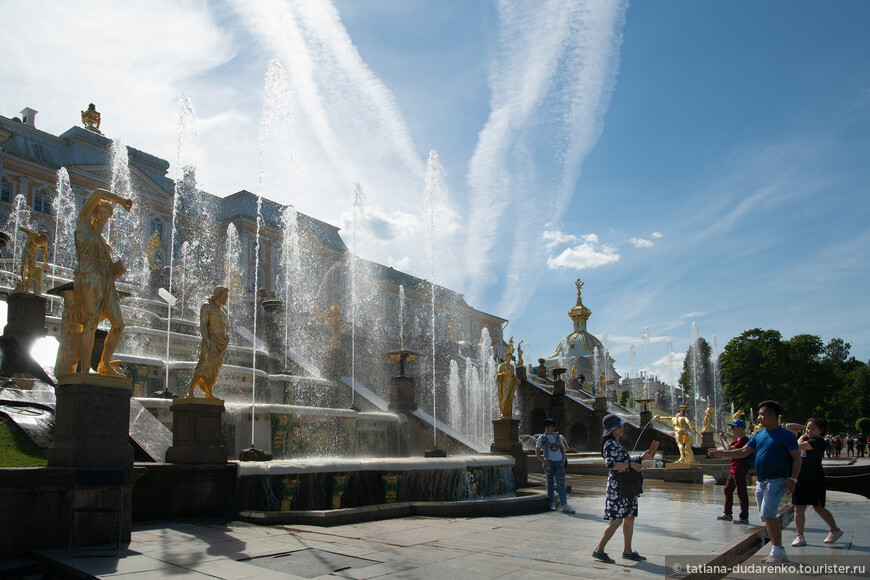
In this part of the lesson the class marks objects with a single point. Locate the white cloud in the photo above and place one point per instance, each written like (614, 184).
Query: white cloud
(657, 235)
(641, 243)
(589, 254)
(555, 238)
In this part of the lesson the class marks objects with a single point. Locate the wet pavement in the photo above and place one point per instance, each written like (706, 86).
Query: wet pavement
(675, 519)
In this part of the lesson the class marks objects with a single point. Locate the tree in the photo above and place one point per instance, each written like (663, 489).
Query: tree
(698, 354)
(752, 366)
(837, 350)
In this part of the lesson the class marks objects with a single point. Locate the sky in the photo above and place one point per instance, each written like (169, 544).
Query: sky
(691, 162)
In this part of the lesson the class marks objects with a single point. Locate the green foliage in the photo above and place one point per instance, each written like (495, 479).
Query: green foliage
(16, 449)
(623, 398)
(863, 425)
(807, 377)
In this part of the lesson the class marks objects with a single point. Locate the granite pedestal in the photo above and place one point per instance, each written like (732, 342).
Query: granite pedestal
(92, 422)
(506, 441)
(196, 432)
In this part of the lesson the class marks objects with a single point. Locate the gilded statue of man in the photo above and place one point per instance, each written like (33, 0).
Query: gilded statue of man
(681, 434)
(507, 386)
(94, 295)
(708, 418)
(215, 330)
(31, 272)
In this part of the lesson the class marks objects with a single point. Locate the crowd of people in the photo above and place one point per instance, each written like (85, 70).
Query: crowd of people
(787, 460)
(856, 445)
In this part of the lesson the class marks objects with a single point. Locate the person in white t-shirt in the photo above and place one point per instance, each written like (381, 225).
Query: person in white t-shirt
(550, 451)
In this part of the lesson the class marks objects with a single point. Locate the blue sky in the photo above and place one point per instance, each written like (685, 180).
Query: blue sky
(697, 162)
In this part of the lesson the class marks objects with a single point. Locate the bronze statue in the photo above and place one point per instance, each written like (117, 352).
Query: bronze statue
(507, 386)
(31, 271)
(681, 434)
(94, 296)
(215, 330)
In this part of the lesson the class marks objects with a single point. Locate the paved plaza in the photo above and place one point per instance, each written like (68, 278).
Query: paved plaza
(675, 519)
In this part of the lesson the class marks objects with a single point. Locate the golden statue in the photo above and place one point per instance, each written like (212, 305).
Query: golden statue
(708, 418)
(150, 252)
(574, 369)
(333, 321)
(738, 415)
(215, 330)
(91, 119)
(602, 385)
(507, 386)
(31, 271)
(681, 434)
(579, 285)
(510, 351)
(94, 296)
(520, 354)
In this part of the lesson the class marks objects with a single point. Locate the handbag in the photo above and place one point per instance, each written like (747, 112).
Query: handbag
(630, 483)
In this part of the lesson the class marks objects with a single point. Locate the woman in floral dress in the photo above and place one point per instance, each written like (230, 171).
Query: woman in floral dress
(618, 509)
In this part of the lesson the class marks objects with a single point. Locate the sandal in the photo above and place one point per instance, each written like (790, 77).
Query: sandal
(633, 556)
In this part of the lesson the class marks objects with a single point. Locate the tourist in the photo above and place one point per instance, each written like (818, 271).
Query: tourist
(829, 443)
(737, 477)
(850, 445)
(617, 509)
(773, 446)
(810, 488)
(860, 444)
(551, 452)
(838, 445)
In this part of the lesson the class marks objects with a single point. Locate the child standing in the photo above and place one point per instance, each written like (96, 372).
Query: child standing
(810, 488)
(737, 477)
(550, 451)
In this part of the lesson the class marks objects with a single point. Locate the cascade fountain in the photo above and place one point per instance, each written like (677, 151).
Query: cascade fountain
(64, 217)
(433, 196)
(597, 370)
(646, 362)
(20, 218)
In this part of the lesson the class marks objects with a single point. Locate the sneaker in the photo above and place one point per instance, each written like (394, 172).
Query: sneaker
(777, 556)
(741, 521)
(725, 517)
(567, 509)
(603, 557)
(552, 507)
(834, 536)
(633, 556)
(799, 541)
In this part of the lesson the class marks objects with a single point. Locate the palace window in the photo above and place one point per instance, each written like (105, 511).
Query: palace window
(42, 202)
(6, 192)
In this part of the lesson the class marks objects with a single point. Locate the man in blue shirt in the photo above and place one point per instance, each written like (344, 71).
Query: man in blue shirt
(777, 465)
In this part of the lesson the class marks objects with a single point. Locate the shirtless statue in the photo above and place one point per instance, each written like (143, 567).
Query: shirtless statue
(31, 272)
(214, 328)
(681, 434)
(708, 418)
(507, 386)
(94, 296)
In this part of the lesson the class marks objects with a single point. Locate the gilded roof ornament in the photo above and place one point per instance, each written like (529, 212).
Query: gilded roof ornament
(91, 119)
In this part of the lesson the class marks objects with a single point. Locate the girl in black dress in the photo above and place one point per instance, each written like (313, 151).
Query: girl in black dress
(810, 488)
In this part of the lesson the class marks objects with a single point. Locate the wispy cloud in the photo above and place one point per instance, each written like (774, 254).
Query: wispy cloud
(551, 84)
(641, 243)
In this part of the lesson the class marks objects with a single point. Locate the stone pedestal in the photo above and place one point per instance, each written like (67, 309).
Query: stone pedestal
(683, 473)
(707, 441)
(92, 422)
(196, 432)
(506, 441)
(645, 418)
(600, 403)
(25, 318)
(402, 394)
(521, 373)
